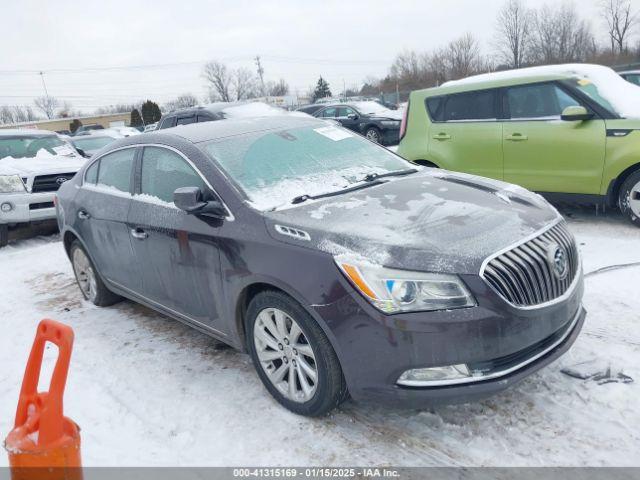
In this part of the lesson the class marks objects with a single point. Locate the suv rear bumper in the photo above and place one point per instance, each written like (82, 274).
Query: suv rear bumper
(27, 207)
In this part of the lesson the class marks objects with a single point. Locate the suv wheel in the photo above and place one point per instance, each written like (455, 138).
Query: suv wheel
(629, 198)
(373, 134)
(89, 281)
(293, 356)
(4, 235)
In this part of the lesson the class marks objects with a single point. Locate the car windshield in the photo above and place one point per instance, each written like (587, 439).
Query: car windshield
(28, 146)
(371, 108)
(274, 167)
(92, 143)
(589, 88)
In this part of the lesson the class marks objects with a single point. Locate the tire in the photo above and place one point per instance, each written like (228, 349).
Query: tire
(91, 285)
(310, 347)
(629, 198)
(4, 235)
(373, 134)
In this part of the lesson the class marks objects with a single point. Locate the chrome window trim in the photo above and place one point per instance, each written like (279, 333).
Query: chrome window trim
(500, 373)
(230, 217)
(556, 300)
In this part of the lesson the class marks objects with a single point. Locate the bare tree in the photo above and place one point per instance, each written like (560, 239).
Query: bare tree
(245, 83)
(185, 100)
(218, 80)
(47, 104)
(462, 57)
(561, 36)
(278, 89)
(620, 20)
(16, 114)
(118, 108)
(513, 33)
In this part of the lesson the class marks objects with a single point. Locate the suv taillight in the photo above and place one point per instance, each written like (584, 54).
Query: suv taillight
(403, 124)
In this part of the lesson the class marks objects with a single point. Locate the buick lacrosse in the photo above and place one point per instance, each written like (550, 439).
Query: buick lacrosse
(342, 269)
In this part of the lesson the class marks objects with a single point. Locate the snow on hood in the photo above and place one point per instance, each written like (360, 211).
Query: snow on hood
(253, 109)
(429, 221)
(43, 162)
(622, 95)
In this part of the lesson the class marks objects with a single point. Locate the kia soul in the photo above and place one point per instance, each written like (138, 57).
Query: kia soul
(339, 267)
(570, 132)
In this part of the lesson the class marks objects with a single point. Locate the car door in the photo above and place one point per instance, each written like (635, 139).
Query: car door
(465, 134)
(329, 112)
(178, 252)
(544, 153)
(103, 203)
(348, 117)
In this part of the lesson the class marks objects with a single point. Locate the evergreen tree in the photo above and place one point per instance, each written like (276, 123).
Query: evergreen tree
(150, 112)
(322, 89)
(75, 125)
(136, 119)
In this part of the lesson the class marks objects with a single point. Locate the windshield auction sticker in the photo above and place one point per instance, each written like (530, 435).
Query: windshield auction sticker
(333, 133)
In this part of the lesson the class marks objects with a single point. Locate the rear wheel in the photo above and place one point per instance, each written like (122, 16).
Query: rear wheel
(89, 281)
(293, 356)
(373, 134)
(629, 198)
(4, 235)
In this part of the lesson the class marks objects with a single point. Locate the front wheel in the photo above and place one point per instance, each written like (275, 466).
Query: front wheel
(293, 356)
(373, 134)
(629, 198)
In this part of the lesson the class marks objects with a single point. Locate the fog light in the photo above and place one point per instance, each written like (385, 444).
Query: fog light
(6, 207)
(424, 377)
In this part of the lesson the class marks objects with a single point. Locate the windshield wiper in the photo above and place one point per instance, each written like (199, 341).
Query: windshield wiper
(304, 198)
(374, 176)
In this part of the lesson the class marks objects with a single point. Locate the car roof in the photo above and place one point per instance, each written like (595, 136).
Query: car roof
(483, 84)
(211, 107)
(25, 132)
(207, 131)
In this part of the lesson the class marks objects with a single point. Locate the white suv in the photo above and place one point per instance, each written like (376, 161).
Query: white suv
(33, 165)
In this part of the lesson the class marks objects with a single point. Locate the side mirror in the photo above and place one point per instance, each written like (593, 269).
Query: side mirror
(576, 113)
(190, 199)
(352, 116)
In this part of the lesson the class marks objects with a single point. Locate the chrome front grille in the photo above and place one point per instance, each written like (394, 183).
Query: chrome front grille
(530, 274)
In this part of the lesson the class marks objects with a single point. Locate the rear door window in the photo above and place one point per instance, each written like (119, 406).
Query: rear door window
(115, 169)
(543, 100)
(92, 173)
(479, 105)
(328, 113)
(163, 171)
(186, 120)
(168, 122)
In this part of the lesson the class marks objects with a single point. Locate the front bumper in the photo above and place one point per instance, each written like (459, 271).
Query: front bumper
(503, 342)
(27, 207)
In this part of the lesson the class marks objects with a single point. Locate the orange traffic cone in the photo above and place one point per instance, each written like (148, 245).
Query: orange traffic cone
(44, 443)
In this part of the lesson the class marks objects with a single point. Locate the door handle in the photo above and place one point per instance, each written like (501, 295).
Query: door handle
(442, 136)
(84, 215)
(139, 233)
(516, 137)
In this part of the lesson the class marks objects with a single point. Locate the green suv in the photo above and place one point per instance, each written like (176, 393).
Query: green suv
(566, 131)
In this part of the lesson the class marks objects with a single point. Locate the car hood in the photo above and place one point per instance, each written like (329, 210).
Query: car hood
(40, 165)
(434, 221)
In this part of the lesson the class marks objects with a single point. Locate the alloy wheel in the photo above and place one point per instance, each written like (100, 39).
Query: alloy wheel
(373, 135)
(84, 274)
(285, 355)
(634, 199)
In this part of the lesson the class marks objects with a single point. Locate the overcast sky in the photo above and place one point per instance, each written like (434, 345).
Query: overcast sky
(344, 40)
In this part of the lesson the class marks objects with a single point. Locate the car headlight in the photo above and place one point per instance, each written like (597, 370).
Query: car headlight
(390, 123)
(393, 291)
(11, 184)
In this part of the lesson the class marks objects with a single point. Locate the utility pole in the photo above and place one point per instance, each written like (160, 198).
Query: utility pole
(261, 74)
(44, 85)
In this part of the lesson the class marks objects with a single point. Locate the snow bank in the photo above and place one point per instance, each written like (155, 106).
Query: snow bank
(622, 95)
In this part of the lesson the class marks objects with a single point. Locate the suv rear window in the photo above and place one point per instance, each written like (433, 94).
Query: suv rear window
(480, 105)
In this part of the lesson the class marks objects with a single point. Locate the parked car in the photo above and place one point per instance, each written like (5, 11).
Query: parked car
(150, 128)
(124, 131)
(340, 267)
(33, 165)
(88, 128)
(569, 132)
(371, 119)
(632, 76)
(217, 111)
(87, 145)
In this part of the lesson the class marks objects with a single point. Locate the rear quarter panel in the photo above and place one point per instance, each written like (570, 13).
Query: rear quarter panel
(415, 144)
(622, 152)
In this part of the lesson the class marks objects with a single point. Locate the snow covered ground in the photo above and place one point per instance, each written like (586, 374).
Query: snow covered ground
(147, 390)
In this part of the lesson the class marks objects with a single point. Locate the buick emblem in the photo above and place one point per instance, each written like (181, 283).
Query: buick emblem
(558, 261)
(61, 180)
